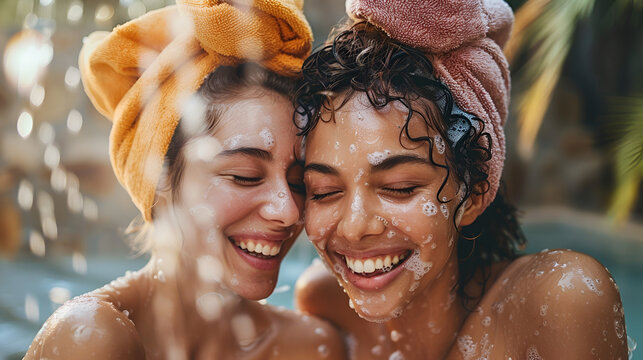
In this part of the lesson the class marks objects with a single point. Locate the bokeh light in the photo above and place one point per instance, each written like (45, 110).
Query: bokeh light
(26, 57)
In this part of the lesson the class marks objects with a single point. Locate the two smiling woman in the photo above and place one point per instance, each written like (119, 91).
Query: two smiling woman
(403, 119)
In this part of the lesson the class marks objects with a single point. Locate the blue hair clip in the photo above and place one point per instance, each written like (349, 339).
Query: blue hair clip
(461, 122)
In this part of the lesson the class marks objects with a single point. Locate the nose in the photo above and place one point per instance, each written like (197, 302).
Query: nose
(280, 206)
(357, 222)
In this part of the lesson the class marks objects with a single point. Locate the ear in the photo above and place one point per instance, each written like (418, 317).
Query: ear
(472, 209)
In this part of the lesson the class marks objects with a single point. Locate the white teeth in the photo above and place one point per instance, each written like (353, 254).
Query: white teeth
(358, 266)
(274, 251)
(379, 264)
(263, 249)
(370, 265)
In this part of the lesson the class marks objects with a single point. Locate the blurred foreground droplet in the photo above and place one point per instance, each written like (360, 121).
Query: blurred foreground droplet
(281, 289)
(79, 263)
(36, 243)
(74, 121)
(32, 311)
(136, 9)
(46, 133)
(26, 57)
(243, 328)
(37, 95)
(104, 12)
(25, 195)
(72, 77)
(24, 124)
(58, 295)
(90, 209)
(74, 200)
(52, 156)
(209, 306)
(58, 179)
(75, 12)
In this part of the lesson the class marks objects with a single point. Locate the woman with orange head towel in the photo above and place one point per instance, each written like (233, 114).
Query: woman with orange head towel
(203, 141)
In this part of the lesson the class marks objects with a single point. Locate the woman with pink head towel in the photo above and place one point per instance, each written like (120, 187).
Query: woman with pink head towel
(403, 113)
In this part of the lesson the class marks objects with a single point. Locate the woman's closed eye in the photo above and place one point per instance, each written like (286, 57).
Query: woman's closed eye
(400, 191)
(246, 181)
(323, 195)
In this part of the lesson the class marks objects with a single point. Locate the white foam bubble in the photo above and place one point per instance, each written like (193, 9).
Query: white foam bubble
(360, 172)
(445, 210)
(352, 148)
(396, 356)
(439, 143)
(532, 353)
(429, 208)
(323, 350)
(486, 321)
(376, 158)
(417, 266)
(376, 350)
(232, 142)
(428, 239)
(466, 346)
(268, 139)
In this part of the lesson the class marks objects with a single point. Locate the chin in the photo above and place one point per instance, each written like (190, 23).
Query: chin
(255, 290)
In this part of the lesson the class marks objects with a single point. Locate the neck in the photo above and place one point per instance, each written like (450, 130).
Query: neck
(430, 323)
(188, 309)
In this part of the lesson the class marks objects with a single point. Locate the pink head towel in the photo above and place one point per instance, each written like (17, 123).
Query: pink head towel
(463, 39)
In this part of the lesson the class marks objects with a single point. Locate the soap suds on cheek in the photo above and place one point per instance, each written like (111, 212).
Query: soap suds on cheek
(268, 139)
(444, 210)
(416, 265)
(429, 208)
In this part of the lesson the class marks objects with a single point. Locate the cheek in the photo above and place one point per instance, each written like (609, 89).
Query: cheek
(319, 223)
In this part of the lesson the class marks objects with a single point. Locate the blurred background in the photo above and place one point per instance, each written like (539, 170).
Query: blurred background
(574, 136)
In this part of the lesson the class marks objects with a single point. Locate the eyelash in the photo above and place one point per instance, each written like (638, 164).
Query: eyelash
(323, 196)
(398, 191)
(242, 180)
(402, 191)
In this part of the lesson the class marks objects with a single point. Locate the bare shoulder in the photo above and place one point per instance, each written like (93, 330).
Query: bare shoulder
(87, 327)
(561, 304)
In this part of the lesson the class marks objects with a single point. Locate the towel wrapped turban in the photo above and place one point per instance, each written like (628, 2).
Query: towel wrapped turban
(464, 40)
(141, 74)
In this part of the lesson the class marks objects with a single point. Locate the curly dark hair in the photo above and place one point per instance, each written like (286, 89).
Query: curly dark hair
(360, 57)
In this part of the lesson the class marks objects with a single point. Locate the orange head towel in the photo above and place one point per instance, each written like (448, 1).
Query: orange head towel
(141, 74)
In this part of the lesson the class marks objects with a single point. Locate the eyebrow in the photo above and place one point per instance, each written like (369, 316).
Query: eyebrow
(386, 164)
(395, 160)
(321, 168)
(249, 151)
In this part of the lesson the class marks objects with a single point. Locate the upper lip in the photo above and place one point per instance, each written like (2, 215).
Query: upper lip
(358, 254)
(276, 237)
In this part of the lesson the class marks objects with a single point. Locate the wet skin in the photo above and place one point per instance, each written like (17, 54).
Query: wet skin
(369, 197)
(240, 188)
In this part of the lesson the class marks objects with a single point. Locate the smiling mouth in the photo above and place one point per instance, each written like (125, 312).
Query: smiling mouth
(258, 249)
(376, 265)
